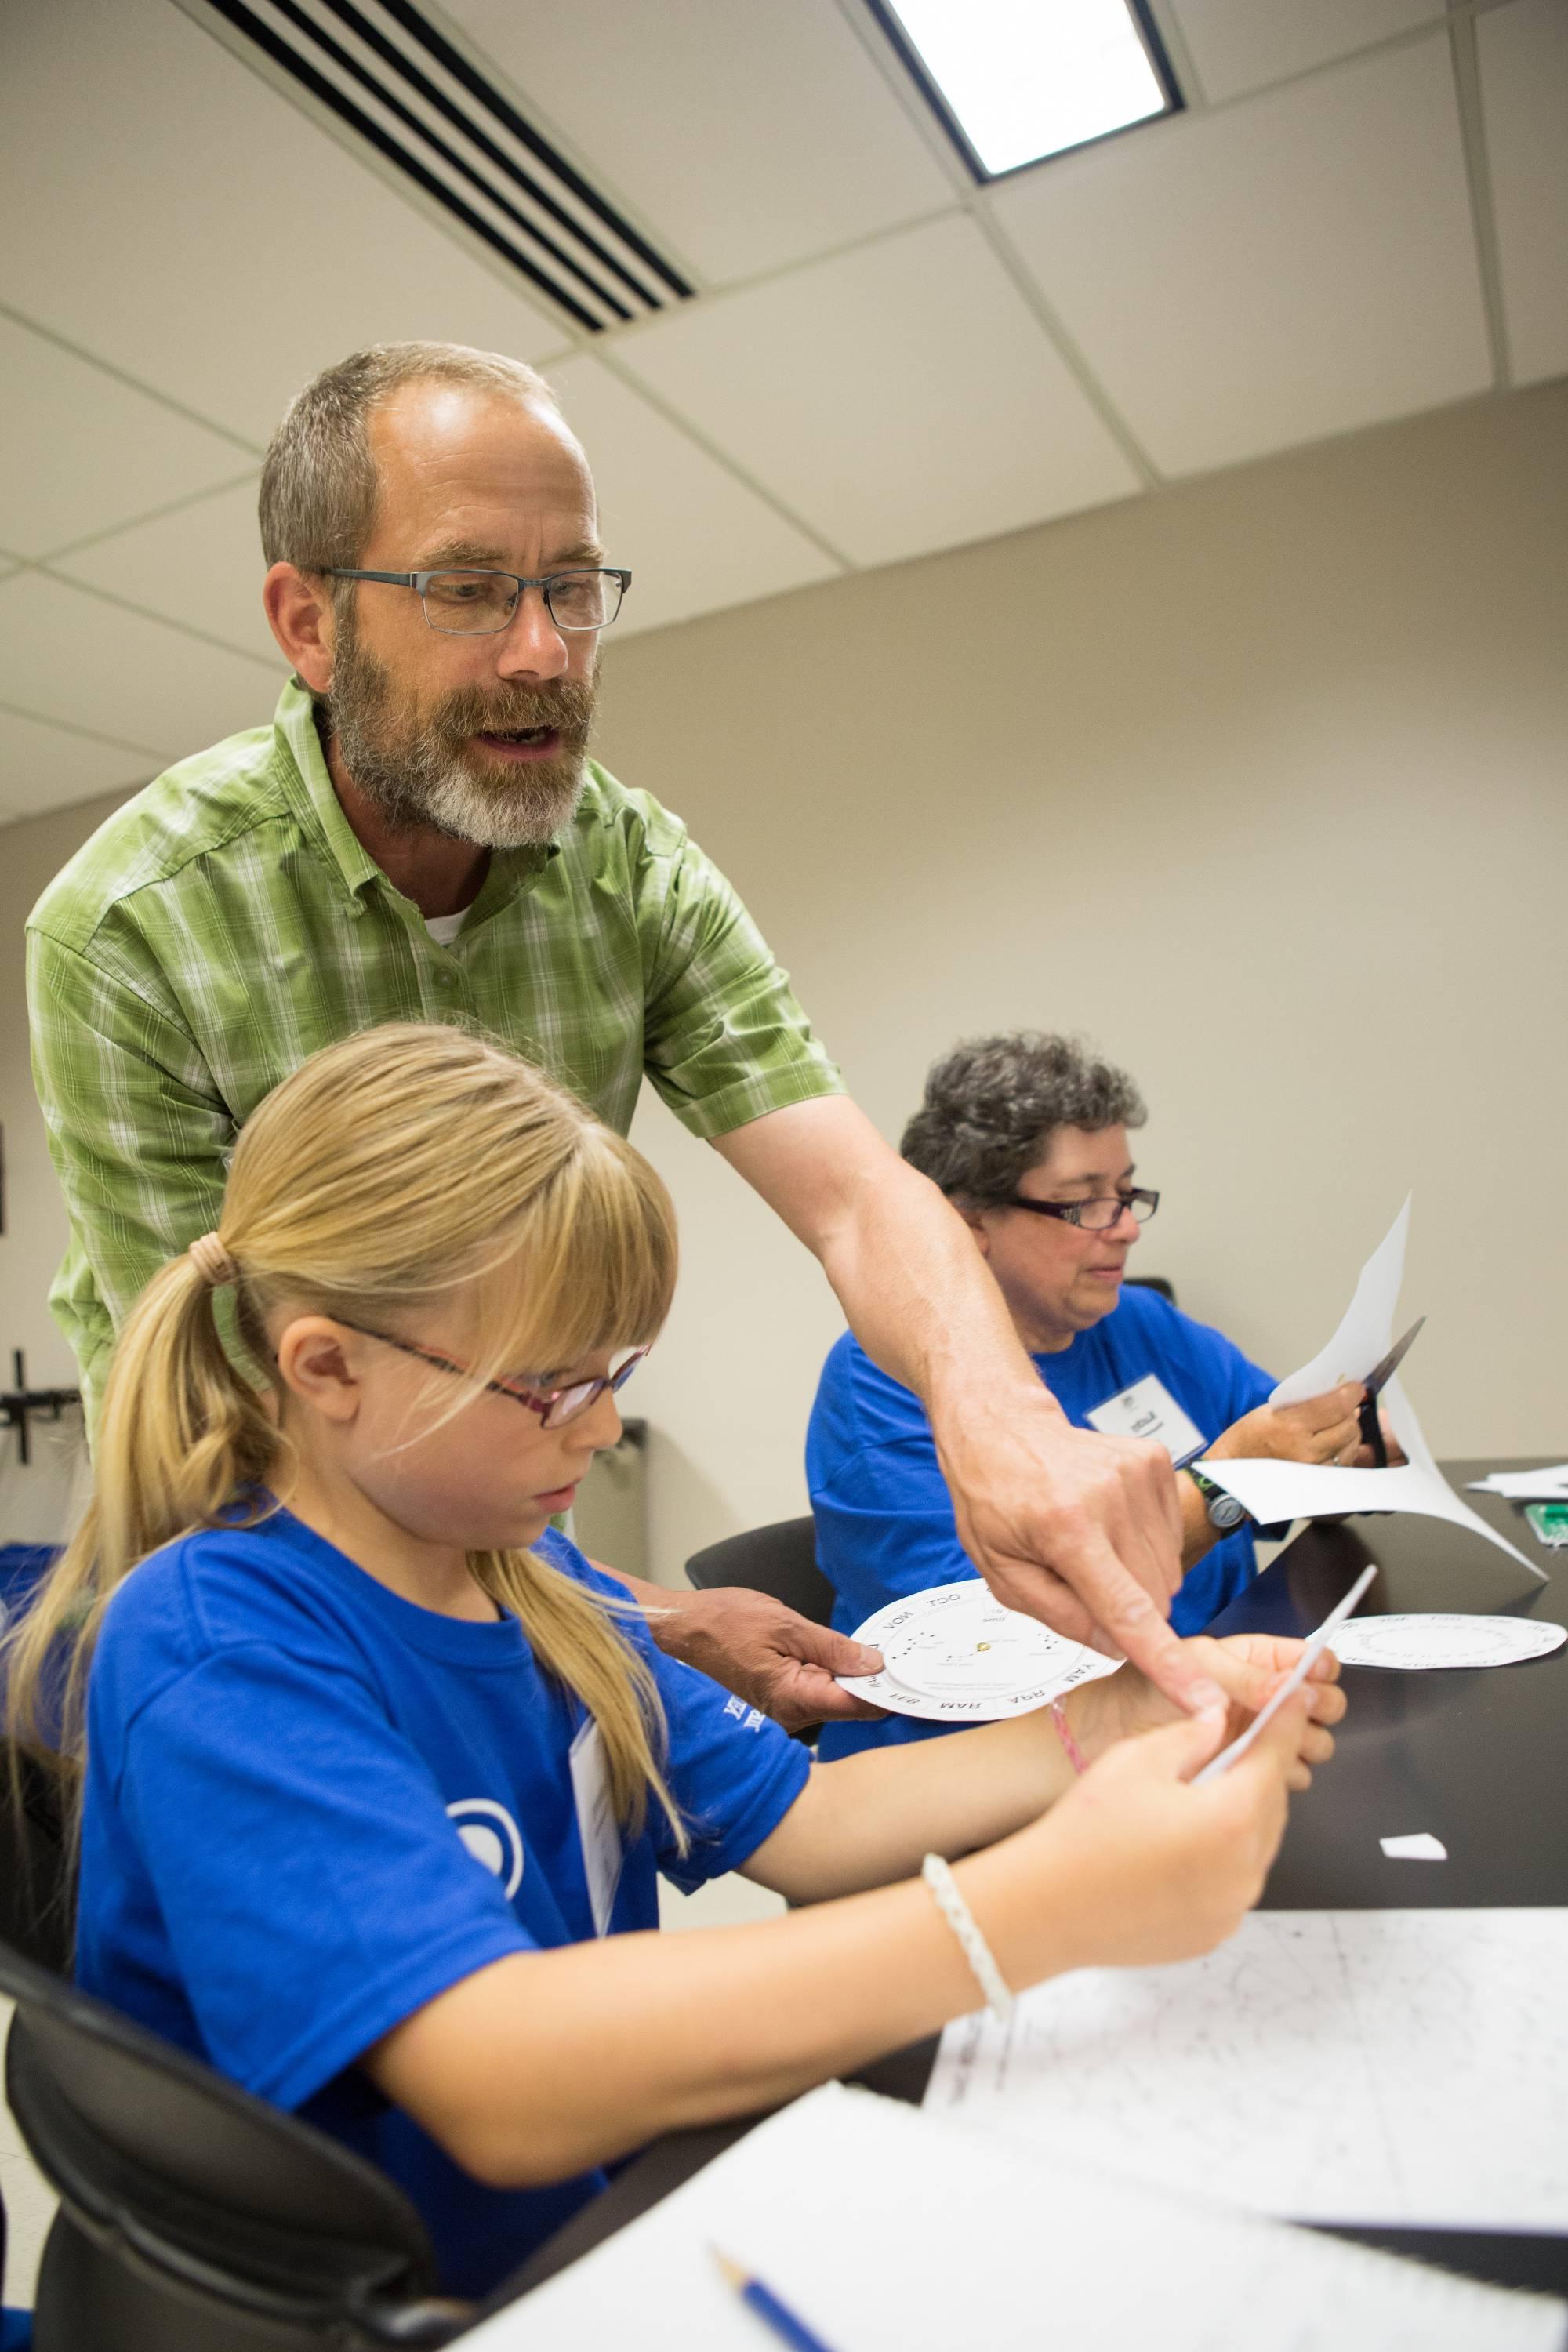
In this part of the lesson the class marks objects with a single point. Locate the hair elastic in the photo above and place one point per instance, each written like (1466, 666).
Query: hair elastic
(1070, 1747)
(212, 1262)
(975, 1948)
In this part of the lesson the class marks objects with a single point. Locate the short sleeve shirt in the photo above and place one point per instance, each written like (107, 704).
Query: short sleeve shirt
(885, 1523)
(310, 1807)
(228, 922)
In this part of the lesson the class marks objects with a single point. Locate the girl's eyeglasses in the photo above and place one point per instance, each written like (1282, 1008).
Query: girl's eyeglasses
(555, 1407)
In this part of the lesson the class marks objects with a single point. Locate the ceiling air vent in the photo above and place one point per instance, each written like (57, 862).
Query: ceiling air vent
(394, 80)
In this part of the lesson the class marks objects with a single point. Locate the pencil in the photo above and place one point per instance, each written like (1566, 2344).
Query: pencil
(767, 2307)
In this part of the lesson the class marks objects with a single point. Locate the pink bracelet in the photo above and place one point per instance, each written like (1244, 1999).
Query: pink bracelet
(1070, 1747)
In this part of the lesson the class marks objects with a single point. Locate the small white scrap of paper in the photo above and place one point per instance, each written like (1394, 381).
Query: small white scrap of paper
(1422, 1847)
(1414, 1644)
(1549, 1486)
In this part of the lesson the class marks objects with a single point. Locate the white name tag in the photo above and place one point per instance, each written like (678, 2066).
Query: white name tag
(1149, 1410)
(598, 1830)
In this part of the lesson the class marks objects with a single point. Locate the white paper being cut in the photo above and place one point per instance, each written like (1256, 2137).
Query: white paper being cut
(1273, 1491)
(1398, 2067)
(1414, 1644)
(1367, 1329)
(954, 1653)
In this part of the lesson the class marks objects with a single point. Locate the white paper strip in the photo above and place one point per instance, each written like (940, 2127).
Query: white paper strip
(1315, 1642)
(1420, 1847)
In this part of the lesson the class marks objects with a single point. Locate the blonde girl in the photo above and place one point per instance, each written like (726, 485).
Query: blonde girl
(377, 1773)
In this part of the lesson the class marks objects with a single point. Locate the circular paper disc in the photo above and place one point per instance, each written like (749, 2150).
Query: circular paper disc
(954, 1653)
(1412, 1644)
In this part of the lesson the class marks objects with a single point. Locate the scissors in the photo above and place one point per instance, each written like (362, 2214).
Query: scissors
(1376, 1381)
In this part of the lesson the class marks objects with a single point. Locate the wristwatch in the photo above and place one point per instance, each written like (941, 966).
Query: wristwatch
(1224, 1511)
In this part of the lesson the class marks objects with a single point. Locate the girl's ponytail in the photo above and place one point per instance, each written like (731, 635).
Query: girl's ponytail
(181, 1431)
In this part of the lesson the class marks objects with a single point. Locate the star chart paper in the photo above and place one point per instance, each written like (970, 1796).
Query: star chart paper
(954, 1653)
(1406, 2067)
(1414, 1644)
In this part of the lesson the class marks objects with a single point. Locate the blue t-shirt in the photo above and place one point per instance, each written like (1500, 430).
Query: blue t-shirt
(884, 1517)
(310, 1807)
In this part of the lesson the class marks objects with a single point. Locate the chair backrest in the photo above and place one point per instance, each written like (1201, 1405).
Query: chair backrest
(780, 1559)
(1154, 1281)
(221, 2197)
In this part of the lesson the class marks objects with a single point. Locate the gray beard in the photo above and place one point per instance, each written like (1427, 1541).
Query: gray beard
(420, 780)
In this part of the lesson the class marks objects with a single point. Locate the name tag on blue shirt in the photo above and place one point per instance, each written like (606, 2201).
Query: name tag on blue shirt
(1149, 1410)
(597, 1828)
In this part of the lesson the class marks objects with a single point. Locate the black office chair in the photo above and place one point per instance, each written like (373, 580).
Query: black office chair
(195, 2218)
(780, 1559)
(1154, 1281)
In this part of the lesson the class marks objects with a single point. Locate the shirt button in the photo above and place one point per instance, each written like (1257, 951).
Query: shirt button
(445, 979)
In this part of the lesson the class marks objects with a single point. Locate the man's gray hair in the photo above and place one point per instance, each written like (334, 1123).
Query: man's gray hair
(993, 1103)
(318, 480)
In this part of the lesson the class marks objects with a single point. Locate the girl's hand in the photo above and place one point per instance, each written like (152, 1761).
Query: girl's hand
(1143, 1867)
(1249, 1668)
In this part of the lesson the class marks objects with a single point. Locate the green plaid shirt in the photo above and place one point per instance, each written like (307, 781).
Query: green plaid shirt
(227, 922)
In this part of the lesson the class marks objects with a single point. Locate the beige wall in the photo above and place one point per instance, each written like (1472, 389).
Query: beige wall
(1260, 784)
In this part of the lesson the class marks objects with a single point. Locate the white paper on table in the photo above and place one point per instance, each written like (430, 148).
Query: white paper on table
(1273, 1491)
(880, 2226)
(1526, 1485)
(1403, 2067)
(1421, 1846)
(1366, 1330)
(1411, 1644)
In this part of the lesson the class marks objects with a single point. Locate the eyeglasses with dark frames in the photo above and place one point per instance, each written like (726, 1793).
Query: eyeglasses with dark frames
(470, 604)
(555, 1407)
(1095, 1216)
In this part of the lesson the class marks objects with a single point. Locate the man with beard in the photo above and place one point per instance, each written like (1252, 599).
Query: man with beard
(419, 836)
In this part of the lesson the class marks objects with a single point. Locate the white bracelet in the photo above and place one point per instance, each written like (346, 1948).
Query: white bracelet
(975, 1948)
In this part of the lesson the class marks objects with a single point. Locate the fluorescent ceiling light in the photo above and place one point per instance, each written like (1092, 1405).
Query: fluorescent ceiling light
(1024, 79)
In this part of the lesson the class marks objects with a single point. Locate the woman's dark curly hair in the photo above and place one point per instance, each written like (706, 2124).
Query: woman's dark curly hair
(993, 1104)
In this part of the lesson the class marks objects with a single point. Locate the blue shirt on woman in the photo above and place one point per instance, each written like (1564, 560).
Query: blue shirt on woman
(885, 1525)
(311, 1806)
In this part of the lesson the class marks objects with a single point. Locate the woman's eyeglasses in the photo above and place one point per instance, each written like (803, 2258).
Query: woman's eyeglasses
(555, 1407)
(1093, 1216)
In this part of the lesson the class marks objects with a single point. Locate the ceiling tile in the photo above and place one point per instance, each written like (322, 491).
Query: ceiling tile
(1524, 106)
(1241, 45)
(744, 133)
(44, 767)
(66, 655)
(222, 247)
(1294, 266)
(900, 398)
(201, 565)
(695, 538)
(84, 451)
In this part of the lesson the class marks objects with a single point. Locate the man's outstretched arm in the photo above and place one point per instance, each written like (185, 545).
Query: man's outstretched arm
(1080, 1531)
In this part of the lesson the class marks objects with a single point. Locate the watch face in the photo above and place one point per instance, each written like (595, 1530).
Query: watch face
(1224, 1511)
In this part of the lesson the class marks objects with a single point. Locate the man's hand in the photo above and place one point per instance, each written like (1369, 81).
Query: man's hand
(1080, 1530)
(771, 1656)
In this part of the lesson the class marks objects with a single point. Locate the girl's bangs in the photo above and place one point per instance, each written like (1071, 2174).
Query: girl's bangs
(593, 1269)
